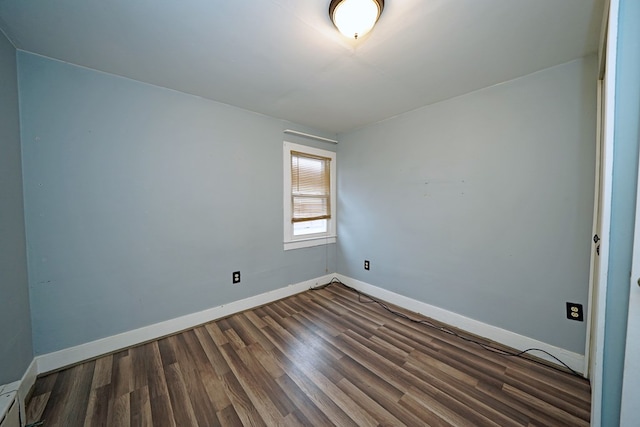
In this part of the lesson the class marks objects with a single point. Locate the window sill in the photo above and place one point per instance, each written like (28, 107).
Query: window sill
(307, 243)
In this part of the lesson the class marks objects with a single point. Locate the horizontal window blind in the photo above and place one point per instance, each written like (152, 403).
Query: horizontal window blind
(310, 187)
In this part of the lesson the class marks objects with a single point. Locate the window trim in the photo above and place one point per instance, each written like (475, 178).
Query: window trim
(308, 240)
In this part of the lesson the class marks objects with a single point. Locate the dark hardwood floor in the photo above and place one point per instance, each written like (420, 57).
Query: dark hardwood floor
(315, 359)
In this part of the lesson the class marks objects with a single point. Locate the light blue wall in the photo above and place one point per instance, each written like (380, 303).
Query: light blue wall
(482, 204)
(15, 322)
(141, 202)
(623, 203)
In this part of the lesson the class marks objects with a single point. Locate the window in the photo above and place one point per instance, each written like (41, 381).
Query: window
(309, 196)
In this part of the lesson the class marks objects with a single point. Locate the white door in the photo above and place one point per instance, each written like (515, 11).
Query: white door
(594, 354)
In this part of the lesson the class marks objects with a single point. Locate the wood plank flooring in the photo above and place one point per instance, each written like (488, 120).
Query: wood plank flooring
(318, 358)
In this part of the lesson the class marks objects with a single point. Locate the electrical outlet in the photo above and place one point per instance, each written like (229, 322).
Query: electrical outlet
(574, 311)
(366, 264)
(236, 277)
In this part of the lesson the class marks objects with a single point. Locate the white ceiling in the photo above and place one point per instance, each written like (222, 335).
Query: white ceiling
(285, 59)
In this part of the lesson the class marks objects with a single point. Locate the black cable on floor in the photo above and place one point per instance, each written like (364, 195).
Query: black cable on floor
(488, 347)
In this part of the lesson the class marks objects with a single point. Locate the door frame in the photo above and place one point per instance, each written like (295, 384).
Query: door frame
(607, 76)
(595, 261)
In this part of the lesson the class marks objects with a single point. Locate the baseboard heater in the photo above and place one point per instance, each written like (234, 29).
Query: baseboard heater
(9, 407)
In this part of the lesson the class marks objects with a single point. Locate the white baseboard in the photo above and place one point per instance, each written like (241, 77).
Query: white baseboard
(69, 356)
(511, 339)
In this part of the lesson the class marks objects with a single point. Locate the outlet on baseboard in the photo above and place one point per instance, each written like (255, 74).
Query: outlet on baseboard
(574, 311)
(366, 264)
(236, 277)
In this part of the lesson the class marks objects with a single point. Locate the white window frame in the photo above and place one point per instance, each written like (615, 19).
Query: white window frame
(307, 240)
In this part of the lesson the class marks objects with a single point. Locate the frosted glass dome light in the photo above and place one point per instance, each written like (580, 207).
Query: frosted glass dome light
(355, 18)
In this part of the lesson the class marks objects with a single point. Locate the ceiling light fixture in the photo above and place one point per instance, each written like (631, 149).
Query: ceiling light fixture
(355, 18)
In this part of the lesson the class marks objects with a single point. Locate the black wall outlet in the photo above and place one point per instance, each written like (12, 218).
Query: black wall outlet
(574, 311)
(366, 264)
(236, 277)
